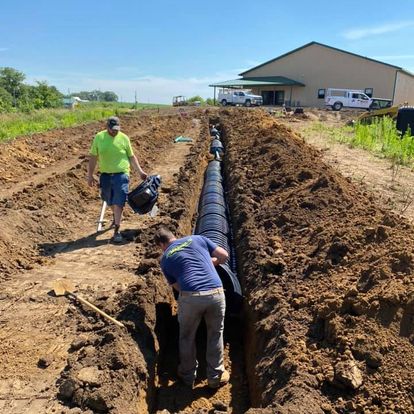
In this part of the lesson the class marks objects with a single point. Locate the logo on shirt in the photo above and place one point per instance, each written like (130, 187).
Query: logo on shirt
(179, 247)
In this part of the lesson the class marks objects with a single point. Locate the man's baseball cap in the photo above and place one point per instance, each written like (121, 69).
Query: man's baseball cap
(113, 123)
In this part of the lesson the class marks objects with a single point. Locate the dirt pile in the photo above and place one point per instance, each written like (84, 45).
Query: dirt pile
(327, 277)
(118, 372)
(44, 197)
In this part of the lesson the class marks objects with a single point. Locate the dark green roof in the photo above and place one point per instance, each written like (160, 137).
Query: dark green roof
(259, 81)
(329, 47)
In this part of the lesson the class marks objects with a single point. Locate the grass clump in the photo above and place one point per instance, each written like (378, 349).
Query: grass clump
(16, 124)
(381, 137)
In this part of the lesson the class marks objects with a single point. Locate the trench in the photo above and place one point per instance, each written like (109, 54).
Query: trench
(292, 217)
(212, 218)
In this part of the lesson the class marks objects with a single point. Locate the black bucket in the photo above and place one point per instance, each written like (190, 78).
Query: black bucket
(405, 120)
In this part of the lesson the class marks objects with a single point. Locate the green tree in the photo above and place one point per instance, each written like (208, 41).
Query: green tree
(12, 81)
(210, 101)
(109, 96)
(44, 96)
(47, 96)
(96, 95)
(195, 99)
(6, 101)
(82, 94)
(25, 102)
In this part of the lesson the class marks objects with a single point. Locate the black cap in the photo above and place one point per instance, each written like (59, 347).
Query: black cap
(113, 123)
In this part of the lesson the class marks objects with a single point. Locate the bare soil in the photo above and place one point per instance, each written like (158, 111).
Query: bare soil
(326, 270)
(327, 275)
(391, 184)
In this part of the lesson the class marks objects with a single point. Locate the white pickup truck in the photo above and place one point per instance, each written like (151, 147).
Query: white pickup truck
(239, 98)
(350, 98)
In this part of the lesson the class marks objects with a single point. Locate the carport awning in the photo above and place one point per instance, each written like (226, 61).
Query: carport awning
(260, 81)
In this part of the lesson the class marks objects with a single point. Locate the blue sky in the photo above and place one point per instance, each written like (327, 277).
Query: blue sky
(163, 48)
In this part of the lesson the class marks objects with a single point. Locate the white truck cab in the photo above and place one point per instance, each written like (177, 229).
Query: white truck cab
(349, 98)
(239, 97)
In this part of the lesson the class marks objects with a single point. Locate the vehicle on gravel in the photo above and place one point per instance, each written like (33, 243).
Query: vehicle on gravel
(180, 101)
(347, 98)
(238, 97)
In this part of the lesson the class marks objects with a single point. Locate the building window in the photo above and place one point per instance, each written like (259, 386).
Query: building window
(369, 92)
(321, 93)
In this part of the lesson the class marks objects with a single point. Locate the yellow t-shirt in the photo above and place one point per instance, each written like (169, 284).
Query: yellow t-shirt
(113, 152)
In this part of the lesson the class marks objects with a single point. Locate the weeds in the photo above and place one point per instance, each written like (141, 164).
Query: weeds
(381, 137)
(16, 124)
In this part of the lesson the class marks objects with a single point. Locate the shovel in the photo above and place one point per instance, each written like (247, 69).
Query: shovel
(65, 288)
(101, 221)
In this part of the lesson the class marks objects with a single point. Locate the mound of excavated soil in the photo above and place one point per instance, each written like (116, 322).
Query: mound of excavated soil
(111, 371)
(44, 197)
(328, 278)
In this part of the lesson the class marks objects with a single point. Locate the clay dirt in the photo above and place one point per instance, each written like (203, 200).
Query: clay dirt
(325, 260)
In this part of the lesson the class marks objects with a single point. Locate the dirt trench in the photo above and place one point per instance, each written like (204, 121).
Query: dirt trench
(61, 357)
(327, 276)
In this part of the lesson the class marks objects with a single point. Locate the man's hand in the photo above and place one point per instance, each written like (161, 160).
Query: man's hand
(219, 256)
(143, 175)
(92, 181)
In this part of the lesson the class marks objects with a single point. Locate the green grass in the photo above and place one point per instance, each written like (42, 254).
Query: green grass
(380, 138)
(16, 124)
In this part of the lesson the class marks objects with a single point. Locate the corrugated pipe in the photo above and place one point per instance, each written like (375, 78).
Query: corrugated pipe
(213, 222)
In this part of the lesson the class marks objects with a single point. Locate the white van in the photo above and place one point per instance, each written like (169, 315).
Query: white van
(350, 98)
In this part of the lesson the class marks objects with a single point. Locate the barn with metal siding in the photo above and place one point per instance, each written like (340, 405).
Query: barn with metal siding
(301, 77)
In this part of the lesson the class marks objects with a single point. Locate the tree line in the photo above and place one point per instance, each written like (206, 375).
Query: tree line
(198, 98)
(17, 96)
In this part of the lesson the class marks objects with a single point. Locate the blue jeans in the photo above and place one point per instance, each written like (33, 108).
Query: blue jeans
(191, 309)
(114, 188)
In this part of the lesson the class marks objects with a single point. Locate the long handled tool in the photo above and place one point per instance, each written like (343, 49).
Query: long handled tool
(101, 220)
(65, 288)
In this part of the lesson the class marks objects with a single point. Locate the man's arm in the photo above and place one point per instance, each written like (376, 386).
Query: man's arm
(134, 162)
(219, 256)
(91, 168)
(176, 286)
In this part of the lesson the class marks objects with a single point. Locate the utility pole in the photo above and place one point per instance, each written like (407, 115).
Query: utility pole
(136, 103)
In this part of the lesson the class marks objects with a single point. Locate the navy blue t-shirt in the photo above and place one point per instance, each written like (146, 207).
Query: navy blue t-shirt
(188, 262)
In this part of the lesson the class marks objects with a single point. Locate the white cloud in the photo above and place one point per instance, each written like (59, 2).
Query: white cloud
(359, 33)
(150, 88)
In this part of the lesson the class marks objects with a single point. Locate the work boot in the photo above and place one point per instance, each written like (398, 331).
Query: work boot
(117, 236)
(223, 379)
(186, 381)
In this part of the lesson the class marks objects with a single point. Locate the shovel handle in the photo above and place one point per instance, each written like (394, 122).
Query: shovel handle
(101, 216)
(105, 315)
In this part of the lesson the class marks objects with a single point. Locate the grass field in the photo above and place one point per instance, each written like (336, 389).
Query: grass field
(16, 124)
(381, 138)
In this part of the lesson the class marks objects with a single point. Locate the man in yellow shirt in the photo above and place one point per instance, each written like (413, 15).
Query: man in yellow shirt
(112, 150)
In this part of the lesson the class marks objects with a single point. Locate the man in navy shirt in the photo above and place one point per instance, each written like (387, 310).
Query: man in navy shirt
(189, 266)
